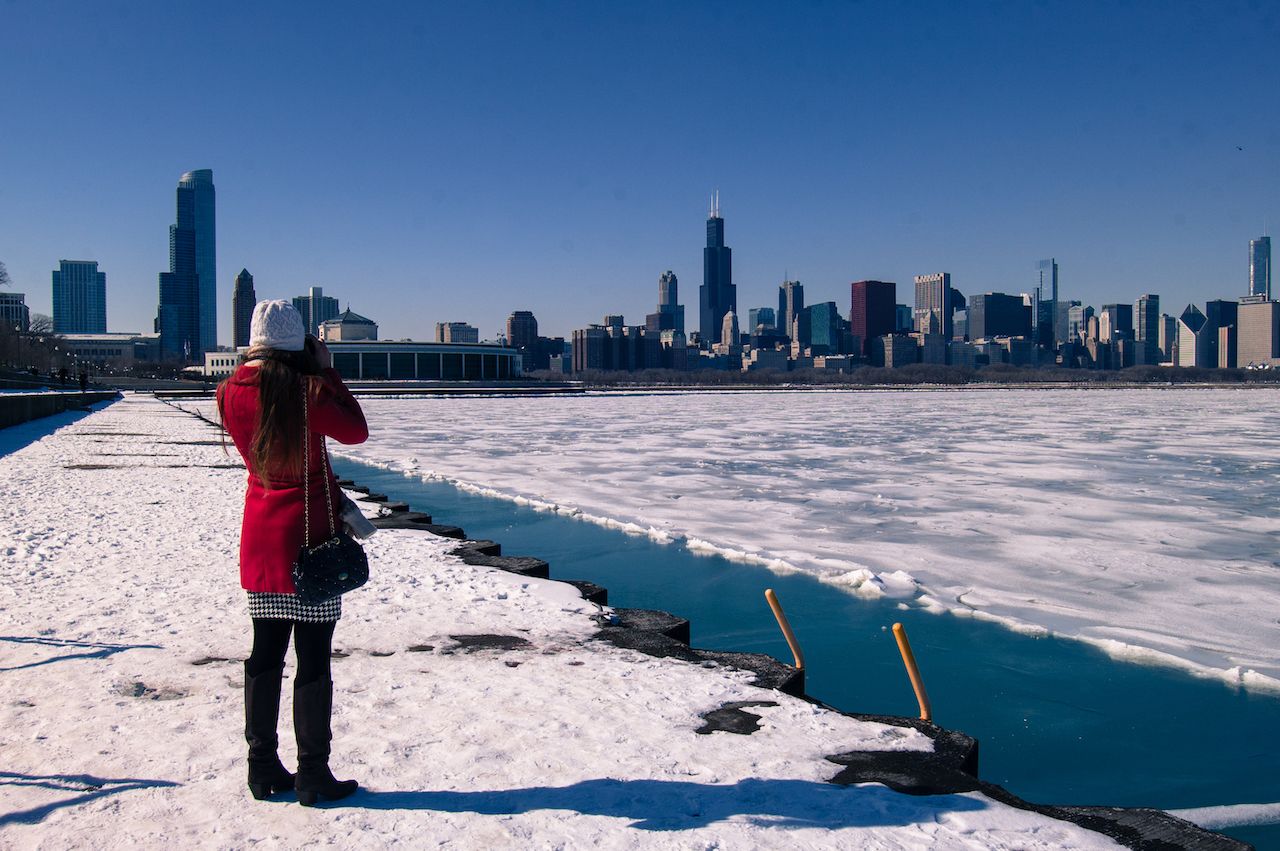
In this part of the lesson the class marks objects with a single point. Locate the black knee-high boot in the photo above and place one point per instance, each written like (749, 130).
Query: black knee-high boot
(312, 710)
(261, 713)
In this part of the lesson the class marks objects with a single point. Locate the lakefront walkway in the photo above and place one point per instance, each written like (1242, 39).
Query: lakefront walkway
(121, 719)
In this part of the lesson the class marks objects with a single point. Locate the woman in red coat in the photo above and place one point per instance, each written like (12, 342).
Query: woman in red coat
(262, 408)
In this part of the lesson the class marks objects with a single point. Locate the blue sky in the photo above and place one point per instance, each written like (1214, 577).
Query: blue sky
(429, 162)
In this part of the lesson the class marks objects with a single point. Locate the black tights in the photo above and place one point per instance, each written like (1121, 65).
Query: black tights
(312, 643)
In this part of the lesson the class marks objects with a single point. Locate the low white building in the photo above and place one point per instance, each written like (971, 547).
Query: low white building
(111, 351)
(348, 326)
(221, 364)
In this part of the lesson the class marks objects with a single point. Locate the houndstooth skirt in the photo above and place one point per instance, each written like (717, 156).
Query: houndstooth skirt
(289, 607)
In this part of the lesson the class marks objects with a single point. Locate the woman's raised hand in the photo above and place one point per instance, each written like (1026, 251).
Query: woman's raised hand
(323, 358)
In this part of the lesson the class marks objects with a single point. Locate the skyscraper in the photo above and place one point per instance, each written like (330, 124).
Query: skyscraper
(790, 305)
(79, 298)
(316, 307)
(1260, 267)
(1078, 322)
(1046, 304)
(456, 332)
(1115, 322)
(1219, 314)
(871, 312)
(1148, 318)
(187, 318)
(522, 331)
(1167, 339)
(1193, 339)
(668, 289)
(758, 316)
(824, 328)
(933, 304)
(243, 300)
(994, 315)
(730, 337)
(903, 319)
(1062, 321)
(670, 315)
(1259, 334)
(718, 295)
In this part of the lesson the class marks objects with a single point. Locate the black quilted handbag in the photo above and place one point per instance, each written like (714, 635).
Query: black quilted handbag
(336, 565)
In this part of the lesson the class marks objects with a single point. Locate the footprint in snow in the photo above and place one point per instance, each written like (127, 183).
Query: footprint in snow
(140, 689)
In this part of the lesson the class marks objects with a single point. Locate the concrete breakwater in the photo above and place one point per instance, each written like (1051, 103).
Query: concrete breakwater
(951, 767)
(18, 408)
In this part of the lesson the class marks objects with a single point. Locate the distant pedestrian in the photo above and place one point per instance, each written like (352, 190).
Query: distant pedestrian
(262, 407)
(84, 381)
(63, 375)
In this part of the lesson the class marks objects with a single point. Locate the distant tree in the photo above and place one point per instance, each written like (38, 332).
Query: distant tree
(5, 280)
(41, 324)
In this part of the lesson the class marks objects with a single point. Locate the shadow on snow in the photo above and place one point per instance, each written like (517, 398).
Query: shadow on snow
(681, 805)
(16, 437)
(96, 650)
(86, 786)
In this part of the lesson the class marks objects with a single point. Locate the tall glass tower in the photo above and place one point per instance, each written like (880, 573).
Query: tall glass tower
(243, 300)
(188, 316)
(1260, 267)
(790, 305)
(1148, 318)
(718, 295)
(79, 298)
(1044, 330)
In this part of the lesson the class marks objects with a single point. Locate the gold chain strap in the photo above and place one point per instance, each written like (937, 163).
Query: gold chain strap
(306, 473)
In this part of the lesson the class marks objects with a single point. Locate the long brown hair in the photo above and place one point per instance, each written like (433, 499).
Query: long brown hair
(277, 438)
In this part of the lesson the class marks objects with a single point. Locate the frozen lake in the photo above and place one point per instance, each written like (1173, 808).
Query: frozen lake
(1142, 521)
(1049, 712)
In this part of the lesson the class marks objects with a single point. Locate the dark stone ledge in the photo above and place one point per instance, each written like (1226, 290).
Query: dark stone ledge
(648, 620)
(769, 672)
(488, 548)
(591, 592)
(534, 568)
(402, 520)
(733, 718)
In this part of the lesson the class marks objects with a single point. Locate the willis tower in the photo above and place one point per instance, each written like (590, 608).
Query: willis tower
(717, 295)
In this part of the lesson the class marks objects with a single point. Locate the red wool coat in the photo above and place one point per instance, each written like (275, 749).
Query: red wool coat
(271, 533)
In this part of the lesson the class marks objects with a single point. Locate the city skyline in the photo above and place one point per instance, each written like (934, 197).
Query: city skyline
(550, 194)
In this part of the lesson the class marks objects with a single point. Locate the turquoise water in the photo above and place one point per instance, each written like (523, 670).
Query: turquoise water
(1059, 722)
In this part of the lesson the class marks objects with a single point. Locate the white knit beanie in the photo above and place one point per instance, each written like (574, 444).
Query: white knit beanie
(277, 324)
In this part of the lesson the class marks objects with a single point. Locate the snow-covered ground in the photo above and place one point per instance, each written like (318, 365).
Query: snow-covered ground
(121, 720)
(1146, 522)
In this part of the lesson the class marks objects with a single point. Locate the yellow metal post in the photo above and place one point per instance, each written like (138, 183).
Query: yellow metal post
(786, 628)
(913, 671)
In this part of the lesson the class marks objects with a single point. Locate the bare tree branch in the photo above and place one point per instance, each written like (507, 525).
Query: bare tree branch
(41, 324)
(5, 280)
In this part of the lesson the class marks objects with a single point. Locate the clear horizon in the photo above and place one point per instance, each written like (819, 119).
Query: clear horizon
(427, 165)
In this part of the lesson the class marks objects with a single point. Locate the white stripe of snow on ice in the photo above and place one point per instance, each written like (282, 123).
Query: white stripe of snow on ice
(1231, 815)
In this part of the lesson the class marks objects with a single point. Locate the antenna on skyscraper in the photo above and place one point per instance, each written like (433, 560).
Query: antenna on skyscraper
(717, 204)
